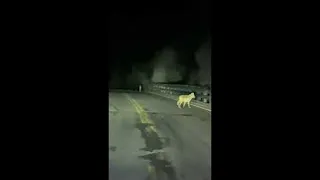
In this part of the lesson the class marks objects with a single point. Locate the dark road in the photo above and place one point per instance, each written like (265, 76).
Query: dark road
(150, 138)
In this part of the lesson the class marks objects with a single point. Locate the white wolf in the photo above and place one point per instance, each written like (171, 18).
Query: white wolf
(185, 99)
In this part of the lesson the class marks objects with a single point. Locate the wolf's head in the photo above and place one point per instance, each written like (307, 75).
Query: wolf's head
(192, 95)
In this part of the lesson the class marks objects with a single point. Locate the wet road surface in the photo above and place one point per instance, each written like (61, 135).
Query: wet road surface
(150, 138)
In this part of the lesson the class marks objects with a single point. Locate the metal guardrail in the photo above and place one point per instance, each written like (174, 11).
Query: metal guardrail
(203, 94)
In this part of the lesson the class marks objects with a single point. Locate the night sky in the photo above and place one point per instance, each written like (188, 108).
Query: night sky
(135, 41)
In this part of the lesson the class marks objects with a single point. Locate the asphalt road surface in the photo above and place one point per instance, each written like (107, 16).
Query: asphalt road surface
(150, 138)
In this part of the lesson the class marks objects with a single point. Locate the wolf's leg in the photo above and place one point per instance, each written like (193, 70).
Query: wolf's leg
(184, 104)
(189, 104)
(179, 104)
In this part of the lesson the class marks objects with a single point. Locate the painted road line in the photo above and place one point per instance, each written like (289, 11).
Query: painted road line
(145, 119)
(152, 173)
(145, 115)
(192, 104)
